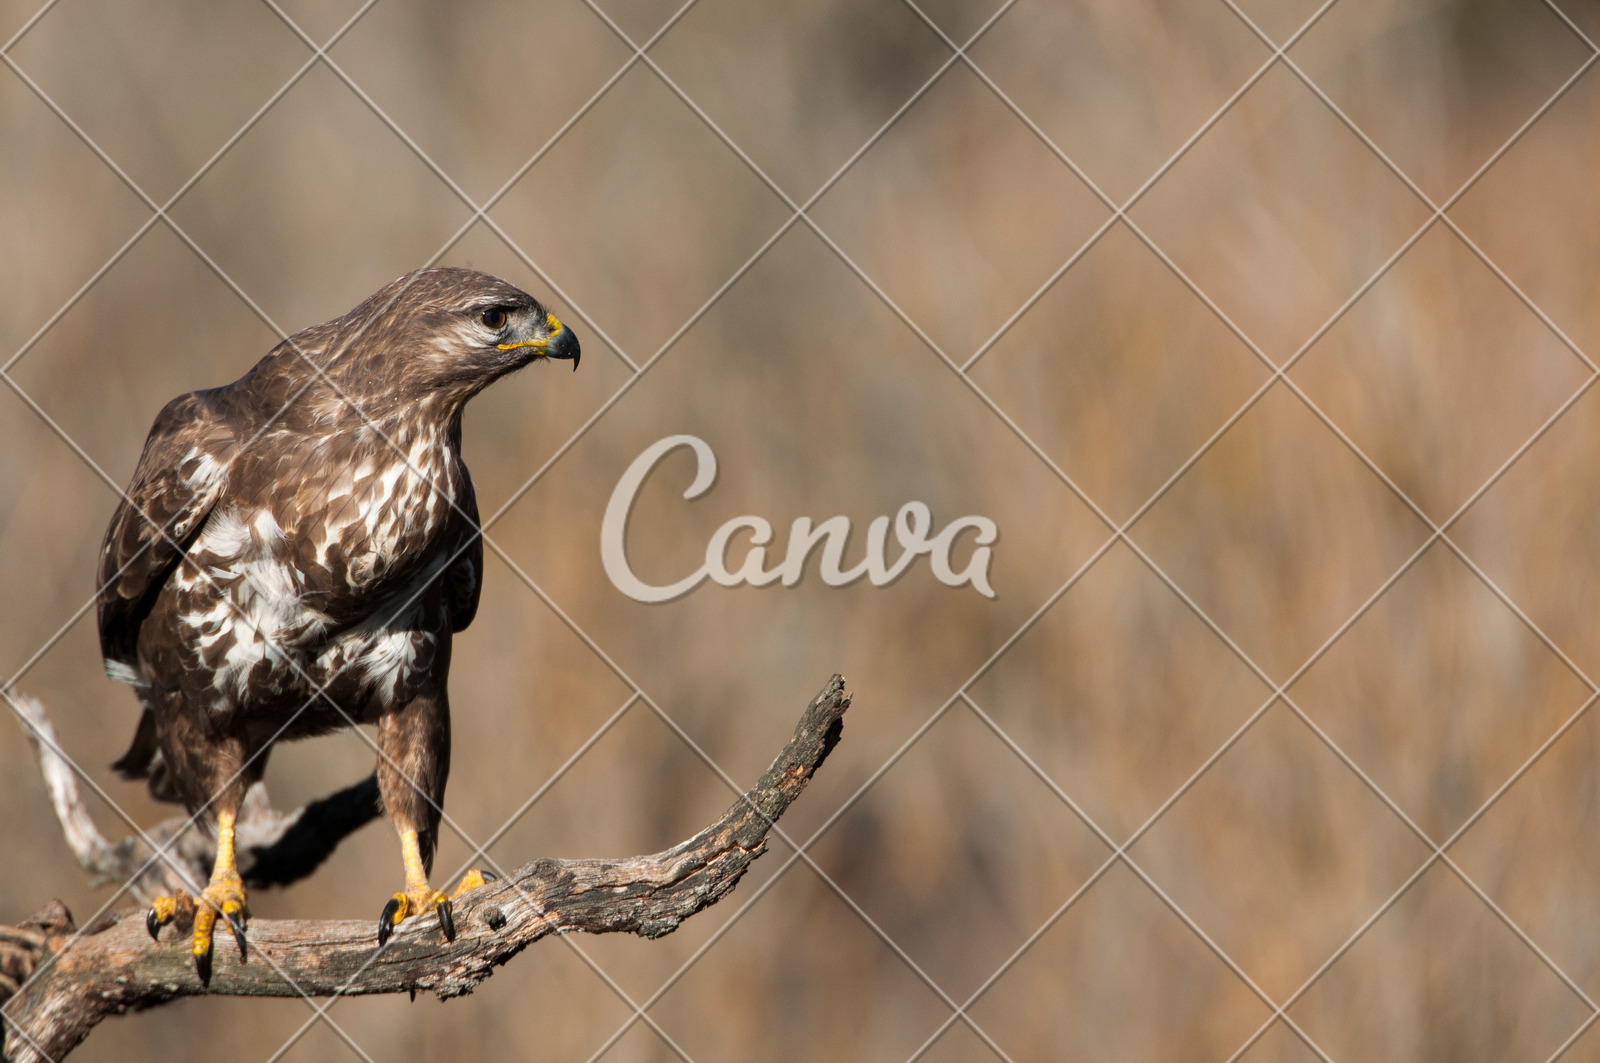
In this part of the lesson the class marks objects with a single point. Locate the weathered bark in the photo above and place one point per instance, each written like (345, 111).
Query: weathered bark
(114, 967)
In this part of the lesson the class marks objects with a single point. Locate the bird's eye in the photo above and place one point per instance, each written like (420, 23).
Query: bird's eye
(493, 318)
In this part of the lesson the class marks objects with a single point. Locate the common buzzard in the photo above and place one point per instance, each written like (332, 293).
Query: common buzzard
(288, 561)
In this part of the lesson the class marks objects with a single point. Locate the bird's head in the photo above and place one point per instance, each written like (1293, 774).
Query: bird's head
(448, 331)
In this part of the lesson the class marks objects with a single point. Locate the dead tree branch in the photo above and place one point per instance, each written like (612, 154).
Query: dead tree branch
(114, 967)
(275, 848)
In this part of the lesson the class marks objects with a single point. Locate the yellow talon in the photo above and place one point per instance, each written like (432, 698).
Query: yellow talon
(179, 908)
(204, 919)
(418, 897)
(223, 897)
(398, 909)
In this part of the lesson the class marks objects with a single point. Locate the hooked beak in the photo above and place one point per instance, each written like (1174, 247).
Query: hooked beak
(559, 343)
(562, 343)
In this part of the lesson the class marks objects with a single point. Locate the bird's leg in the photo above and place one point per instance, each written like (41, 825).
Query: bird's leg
(223, 896)
(215, 771)
(414, 740)
(418, 896)
(413, 765)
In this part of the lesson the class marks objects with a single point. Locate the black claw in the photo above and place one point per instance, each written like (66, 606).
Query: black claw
(489, 876)
(447, 921)
(152, 923)
(237, 926)
(202, 967)
(386, 921)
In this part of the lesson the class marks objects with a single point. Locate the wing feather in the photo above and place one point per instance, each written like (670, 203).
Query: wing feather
(181, 474)
(464, 577)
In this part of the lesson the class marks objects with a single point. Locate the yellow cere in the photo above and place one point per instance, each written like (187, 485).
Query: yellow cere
(555, 330)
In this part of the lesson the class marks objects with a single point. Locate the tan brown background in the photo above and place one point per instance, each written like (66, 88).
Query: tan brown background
(1259, 853)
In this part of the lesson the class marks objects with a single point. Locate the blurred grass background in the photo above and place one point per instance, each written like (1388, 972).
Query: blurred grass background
(819, 400)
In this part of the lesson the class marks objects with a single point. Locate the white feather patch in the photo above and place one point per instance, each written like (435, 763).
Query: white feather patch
(122, 673)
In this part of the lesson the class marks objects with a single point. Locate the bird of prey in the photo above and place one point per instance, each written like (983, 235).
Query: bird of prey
(294, 554)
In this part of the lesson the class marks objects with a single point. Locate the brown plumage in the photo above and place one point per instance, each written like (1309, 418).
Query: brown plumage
(286, 564)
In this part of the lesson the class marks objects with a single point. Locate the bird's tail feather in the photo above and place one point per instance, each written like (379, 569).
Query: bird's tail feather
(139, 759)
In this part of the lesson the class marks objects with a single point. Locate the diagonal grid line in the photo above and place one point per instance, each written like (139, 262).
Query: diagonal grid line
(318, 371)
(1416, 190)
(94, 279)
(727, 780)
(1438, 533)
(28, 25)
(172, 200)
(443, 250)
(1437, 212)
(478, 212)
(160, 213)
(1526, 445)
(1235, 737)
(481, 851)
(964, 367)
(1120, 854)
(319, 52)
(1571, 25)
(905, 318)
(794, 857)
(471, 221)
(1280, 371)
(1119, 212)
(197, 250)
(160, 852)
(800, 212)
(850, 162)
(670, 341)
(1561, 1050)
(319, 690)
(500, 552)
(715, 297)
